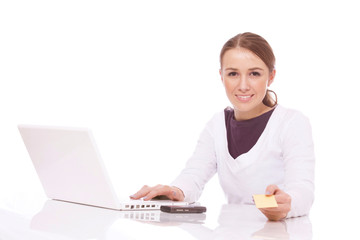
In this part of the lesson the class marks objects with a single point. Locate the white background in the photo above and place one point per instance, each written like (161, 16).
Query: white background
(144, 77)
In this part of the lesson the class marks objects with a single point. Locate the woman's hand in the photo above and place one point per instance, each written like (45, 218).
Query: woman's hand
(170, 192)
(284, 204)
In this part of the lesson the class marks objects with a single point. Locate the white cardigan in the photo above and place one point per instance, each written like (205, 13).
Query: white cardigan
(283, 155)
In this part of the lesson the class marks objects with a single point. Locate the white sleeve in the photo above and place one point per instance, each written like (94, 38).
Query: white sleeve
(299, 159)
(199, 168)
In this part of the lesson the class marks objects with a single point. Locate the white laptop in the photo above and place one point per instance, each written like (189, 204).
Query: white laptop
(70, 168)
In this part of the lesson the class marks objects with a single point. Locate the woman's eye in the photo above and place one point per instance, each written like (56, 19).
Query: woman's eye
(232, 74)
(256, 74)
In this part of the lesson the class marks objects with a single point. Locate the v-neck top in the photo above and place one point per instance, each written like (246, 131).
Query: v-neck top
(282, 155)
(242, 135)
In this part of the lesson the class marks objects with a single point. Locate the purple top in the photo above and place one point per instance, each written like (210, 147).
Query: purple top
(243, 135)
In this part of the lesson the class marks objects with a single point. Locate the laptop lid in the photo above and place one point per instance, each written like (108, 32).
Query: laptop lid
(69, 165)
(70, 168)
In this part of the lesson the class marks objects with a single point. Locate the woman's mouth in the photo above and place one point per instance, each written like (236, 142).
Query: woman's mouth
(244, 98)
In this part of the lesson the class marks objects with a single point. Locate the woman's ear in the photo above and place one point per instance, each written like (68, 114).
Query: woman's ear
(271, 77)
(222, 80)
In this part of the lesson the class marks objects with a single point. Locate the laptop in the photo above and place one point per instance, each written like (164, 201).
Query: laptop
(70, 168)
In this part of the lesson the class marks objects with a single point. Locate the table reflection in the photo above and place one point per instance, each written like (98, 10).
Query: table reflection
(73, 220)
(248, 222)
(86, 222)
(234, 222)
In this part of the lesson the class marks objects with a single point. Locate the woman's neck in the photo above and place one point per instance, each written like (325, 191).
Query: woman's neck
(246, 115)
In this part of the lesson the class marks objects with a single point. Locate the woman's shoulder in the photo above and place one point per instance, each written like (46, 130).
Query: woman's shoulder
(217, 121)
(218, 117)
(289, 118)
(287, 114)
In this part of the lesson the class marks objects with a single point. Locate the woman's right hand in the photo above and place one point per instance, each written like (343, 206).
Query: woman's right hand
(170, 192)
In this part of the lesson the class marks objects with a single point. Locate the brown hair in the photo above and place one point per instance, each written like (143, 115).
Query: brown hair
(260, 47)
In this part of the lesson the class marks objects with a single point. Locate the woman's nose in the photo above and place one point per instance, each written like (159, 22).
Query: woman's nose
(243, 85)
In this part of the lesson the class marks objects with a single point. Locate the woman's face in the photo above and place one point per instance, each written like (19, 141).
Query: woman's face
(246, 78)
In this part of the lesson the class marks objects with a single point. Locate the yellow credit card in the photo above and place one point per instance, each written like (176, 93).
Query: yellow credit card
(265, 201)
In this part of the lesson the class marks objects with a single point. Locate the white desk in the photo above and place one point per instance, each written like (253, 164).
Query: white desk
(59, 220)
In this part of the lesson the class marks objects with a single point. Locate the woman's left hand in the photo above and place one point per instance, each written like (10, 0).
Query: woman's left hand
(284, 204)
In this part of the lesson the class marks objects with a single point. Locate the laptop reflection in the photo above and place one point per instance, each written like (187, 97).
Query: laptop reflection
(87, 222)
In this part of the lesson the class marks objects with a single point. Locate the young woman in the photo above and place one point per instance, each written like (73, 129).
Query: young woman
(255, 147)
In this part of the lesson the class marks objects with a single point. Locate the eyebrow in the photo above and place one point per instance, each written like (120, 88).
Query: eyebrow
(231, 69)
(256, 68)
(251, 69)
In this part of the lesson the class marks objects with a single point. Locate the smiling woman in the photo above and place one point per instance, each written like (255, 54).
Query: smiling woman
(256, 146)
(246, 78)
(261, 62)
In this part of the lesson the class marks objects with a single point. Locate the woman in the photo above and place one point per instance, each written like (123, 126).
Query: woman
(256, 146)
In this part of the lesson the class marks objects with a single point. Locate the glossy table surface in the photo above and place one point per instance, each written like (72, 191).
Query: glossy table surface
(49, 219)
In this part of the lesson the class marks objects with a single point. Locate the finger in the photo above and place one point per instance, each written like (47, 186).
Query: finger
(178, 194)
(274, 215)
(283, 202)
(280, 211)
(284, 206)
(160, 190)
(141, 193)
(271, 189)
(282, 197)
